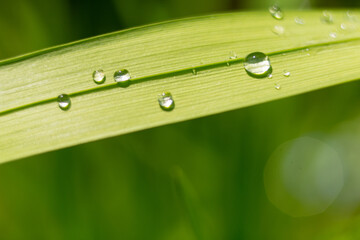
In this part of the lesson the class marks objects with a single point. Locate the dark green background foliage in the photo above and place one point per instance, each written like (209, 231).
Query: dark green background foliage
(201, 179)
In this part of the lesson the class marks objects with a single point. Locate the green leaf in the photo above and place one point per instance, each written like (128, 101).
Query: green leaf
(160, 58)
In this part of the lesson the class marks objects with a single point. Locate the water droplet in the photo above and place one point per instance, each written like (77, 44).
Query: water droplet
(270, 76)
(278, 30)
(257, 64)
(233, 55)
(194, 72)
(333, 35)
(99, 76)
(306, 51)
(276, 12)
(122, 77)
(166, 101)
(228, 64)
(351, 16)
(286, 73)
(299, 21)
(327, 18)
(277, 86)
(348, 26)
(64, 102)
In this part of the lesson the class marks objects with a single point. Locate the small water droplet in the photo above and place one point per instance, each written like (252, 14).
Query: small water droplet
(99, 76)
(257, 64)
(306, 51)
(276, 12)
(327, 18)
(333, 35)
(351, 16)
(166, 101)
(233, 55)
(278, 30)
(122, 77)
(228, 64)
(348, 26)
(286, 73)
(64, 102)
(299, 20)
(270, 76)
(194, 72)
(277, 86)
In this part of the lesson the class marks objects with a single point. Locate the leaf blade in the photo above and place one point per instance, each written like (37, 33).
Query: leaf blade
(103, 111)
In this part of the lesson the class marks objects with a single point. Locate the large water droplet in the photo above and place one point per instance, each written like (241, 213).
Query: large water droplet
(99, 76)
(278, 30)
(327, 18)
(166, 101)
(122, 77)
(257, 64)
(64, 102)
(276, 12)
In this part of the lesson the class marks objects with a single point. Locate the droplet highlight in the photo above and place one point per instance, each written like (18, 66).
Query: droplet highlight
(99, 76)
(166, 101)
(257, 64)
(64, 102)
(276, 12)
(122, 77)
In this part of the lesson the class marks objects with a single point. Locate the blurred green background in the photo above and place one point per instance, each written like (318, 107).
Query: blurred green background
(210, 178)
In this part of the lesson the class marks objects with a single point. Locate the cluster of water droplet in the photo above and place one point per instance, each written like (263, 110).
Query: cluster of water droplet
(121, 77)
(256, 64)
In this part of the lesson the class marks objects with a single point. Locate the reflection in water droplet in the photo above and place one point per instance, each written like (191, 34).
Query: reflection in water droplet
(299, 21)
(276, 12)
(64, 102)
(278, 30)
(327, 18)
(286, 73)
(303, 177)
(166, 101)
(99, 76)
(257, 64)
(277, 86)
(122, 77)
(333, 35)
